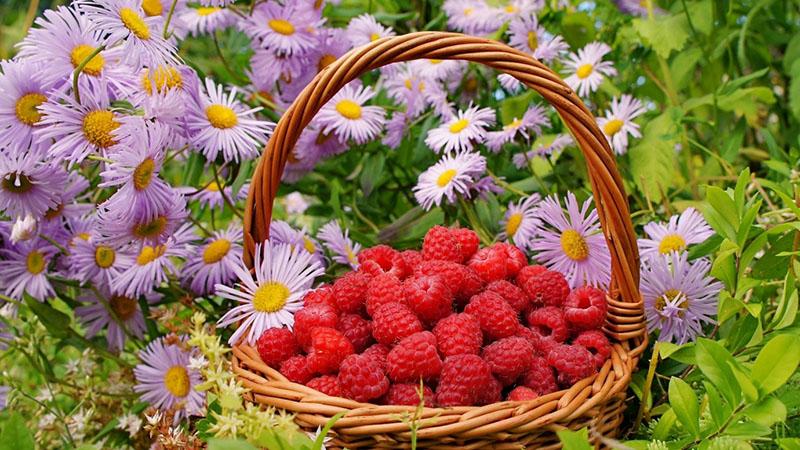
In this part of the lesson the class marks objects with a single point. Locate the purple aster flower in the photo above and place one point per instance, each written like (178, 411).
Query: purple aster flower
(559, 143)
(24, 269)
(682, 230)
(267, 67)
(338, 242)
(29, 185)
(285, 29)
(220, 123)
(215, 261)
(165, 380)
(396, 129)
(513, 9)
(4, 390)
(91, 261)
(572, 243)
(462, 131)
(68, 206)
(217, 3)
(282, 277)
(618, 122)
(679, 297)
(452, 176)
(206, 20)
(485, 186)
(118, 226)
(210, 196)
(80, 228)
(295, 203)
(281, 232)
(332, 44)
(587, 68)
(104, 309)
(635, 8)
(533, 120)
(509, 83)
(346, 116)
(365, 28)
(521, 221)
(439, 69)
(471, 17)
(527, 35)
(22, 91)
(407, 87)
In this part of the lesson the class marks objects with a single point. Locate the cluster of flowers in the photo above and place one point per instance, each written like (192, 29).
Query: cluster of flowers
(448, 314)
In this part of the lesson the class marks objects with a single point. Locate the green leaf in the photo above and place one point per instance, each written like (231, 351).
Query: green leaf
(663, 428)
(229, 444)
(192, 169)
(664, 34)
(786, 311)
(715, 362)
(319, 442)
(776, 362)
(767, 412)
(245, 173)
(15, 434)
(719, 410)
(515, 107)
(788, 443)
(684, 402)
(739, 190)
(702, 14)
(372, 173)
(56, 322)
(653, 158)
(575, 440)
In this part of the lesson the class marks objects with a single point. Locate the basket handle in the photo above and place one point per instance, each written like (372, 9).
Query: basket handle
(609, 193)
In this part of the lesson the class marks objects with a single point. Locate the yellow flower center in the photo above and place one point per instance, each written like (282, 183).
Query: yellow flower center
(176, 380)
(52, 213)
(445, 177)
(281, 26)
(150, 254)
(612, 127)
(104, 256)
(95, 65)
(671, 243)
(374, 36)
(349, 109)
(150, 229)
(35, 262)
(213, 187)
(143, 174)
(435, 61)
(84, 236)
(221, 116)
(164, 77)
(351, 257)
(468, 11)
(458, 126)
(511, 9)
(325, 61)
(26, 108)
(533, 40)
(514, 221)
(97, 128)
(152, 7)
(204, 11)
(135, 23)
(123, 306)
(584, 71)
(216, 250)
(270, 297)
(516, 123)
(17, 183)
(574, 245)
(670, 295)
(309, 245)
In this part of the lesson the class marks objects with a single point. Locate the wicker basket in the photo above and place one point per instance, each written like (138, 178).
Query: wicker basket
(596, 402)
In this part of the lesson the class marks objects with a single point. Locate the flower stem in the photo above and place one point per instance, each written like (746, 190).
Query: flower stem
(648, 383)
(80, 68)
(169, 19)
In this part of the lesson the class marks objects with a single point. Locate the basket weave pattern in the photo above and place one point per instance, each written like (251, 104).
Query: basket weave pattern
(596, 402)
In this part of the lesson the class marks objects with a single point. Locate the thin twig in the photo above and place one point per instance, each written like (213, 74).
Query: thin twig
(166, 33)
(225, 197)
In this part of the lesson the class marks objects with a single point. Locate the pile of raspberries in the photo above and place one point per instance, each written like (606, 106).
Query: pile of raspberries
(475, 325)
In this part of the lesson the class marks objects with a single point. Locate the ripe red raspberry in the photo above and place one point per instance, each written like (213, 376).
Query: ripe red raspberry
(515, 258)
(276, 345)
(296, 369)
(548, 288)
(328, 348)
(532, 336)
(350, 291)
(471, 284)
(408, 394)
(509, 358)
(521, 394)
(540, 377)
(412, 258)
(378, 353)
(440, 243)
(458, 334)
(383, 289)
(399, 268)
(370, 269)
(429, 297)
(327, 384)
(491, 393)
(585, 308)
(413, 358)
(572, 363)
(496, 317)
(510, 293)
(381, 254)
(464, 378)
(597, 343)
(468, 241)
(322, 295)
(393, 322)
(308, 318)
(462, 280)
(528, 272)
(489, 263)
(549, 322)
(357, 330)
(362, 379)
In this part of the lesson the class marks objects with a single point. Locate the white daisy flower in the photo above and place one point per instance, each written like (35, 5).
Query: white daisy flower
(682, 230)
(462, 131)
(346, 116)
(285, 29)
(365, 28)
(618, 122)
(587, 68)
(453, 175)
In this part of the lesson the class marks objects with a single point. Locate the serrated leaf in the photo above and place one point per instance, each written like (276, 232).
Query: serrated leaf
(664, 34)
(653, 158)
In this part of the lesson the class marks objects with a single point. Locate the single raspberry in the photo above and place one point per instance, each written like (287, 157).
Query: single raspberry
(370, 269)
(532, 336)
(408, 394)
(491, 393)
(471, 284)
(468, 241)
(528, 272)
(429, 298)
(322, 295)
(413, 358)
(350, 291)
(496, 317)
(276, 345)
(585, 308)
(384, 288)
(412, 258)
(440, 243)
(462, 280)
(510, 293)
(509, 358)
(597, 343)
(515, 258)
(398, 267)
(295, 369)
(362, 379)
(327, 384)
(540, 377)
(545, 344)
(572, 363)
(464, 378)
(521, 394)
(328, 348)
(378, 352)
(310, 317)
(458, 334)
(357, 330)
(489, 263)
(381, 254)
(549, 322)
(548, 288)
(393, 322)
